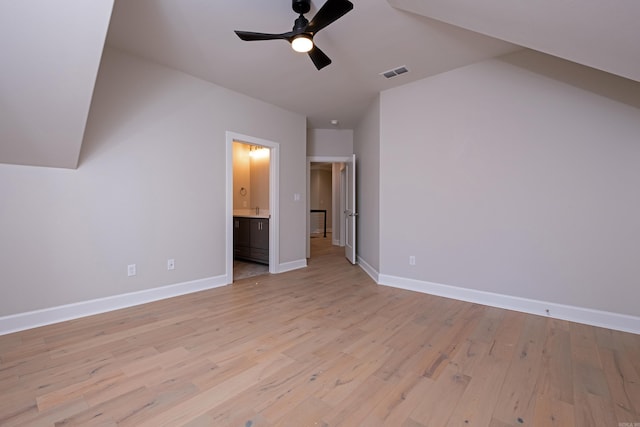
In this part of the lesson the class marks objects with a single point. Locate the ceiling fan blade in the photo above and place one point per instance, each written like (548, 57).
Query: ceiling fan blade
(320, 60)
(250, 36)
(331, 11)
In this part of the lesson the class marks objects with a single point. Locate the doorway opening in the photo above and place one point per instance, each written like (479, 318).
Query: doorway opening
(252, 243)
(325, 228)
(250, 210)
(328, 205)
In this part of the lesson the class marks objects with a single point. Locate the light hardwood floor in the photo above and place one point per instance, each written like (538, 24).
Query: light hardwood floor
(322, 346)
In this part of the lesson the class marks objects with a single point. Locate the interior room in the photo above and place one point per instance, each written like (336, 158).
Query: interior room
(477, 161)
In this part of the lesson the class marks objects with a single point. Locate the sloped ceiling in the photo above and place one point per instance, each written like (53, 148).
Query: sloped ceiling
(50, 57)
(197, 37)
(51, 53)
(601, 34)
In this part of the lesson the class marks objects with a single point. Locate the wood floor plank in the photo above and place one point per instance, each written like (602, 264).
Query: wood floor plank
(628, 351)
(557, 367)
(403, 398)
(261, 395)
(309, 412)
(469, 356)
(440, 397)
(111, 412)
(552, 412)
(48, 417)
(624, 385)
(93, 384)
(157, 399)
(584, 345)
(487, 325)
(352, 377)
(591, 410)
(354, 410)
(200, 404)
(319, 346)
(516, 402)
(447, 342)
(478, 401)
(319, 380)
(17, 406)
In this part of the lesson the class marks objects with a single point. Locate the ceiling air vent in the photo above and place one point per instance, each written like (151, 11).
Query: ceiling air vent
(395, 72)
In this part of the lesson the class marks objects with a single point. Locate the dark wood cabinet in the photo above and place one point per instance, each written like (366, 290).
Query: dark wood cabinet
(251, 239)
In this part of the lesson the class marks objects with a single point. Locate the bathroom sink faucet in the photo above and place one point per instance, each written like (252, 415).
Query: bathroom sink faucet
(257, 210)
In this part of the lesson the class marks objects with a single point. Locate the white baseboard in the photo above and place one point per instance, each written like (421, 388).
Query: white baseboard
(372, 272)
(588, 316)
(33, 319)
(292, 265)
(48, 316)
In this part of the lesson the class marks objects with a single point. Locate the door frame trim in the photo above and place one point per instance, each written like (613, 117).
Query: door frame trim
(274, 200)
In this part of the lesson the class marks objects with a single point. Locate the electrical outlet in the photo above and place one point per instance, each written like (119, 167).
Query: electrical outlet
(171, 264)
(412, 260)
(131, 270)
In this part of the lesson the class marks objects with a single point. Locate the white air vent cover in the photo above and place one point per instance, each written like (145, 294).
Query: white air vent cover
(395, 72)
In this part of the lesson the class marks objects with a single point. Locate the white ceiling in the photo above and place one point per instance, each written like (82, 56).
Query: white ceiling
(197, 37)
(52, 49)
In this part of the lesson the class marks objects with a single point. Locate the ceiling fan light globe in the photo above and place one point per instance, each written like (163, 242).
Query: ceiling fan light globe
(302, 43)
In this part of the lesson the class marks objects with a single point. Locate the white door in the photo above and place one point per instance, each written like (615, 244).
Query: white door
(351, 215)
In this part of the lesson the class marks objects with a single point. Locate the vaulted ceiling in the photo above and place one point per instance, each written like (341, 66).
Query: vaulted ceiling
(51, 53)
(597, 33)
(50, 57)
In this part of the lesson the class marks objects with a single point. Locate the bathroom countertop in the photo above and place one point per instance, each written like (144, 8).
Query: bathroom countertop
(251, 213)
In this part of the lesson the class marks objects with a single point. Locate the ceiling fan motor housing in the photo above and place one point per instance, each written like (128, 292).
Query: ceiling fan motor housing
(301, 6)
(300, 24)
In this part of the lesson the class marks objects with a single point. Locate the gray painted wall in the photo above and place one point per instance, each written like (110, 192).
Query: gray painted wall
(367, 150)
(150, 186)
(330, 142)
(501, 179)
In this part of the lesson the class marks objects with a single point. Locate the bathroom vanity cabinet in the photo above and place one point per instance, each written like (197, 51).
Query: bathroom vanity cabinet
(251, 239)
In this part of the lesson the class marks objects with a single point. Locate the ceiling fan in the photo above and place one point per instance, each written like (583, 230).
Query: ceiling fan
(301, 37)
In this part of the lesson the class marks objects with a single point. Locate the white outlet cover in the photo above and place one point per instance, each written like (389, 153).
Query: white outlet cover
(131, 270)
